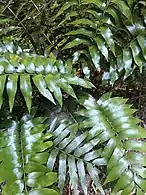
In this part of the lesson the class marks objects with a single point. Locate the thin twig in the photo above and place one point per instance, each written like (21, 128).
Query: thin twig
(30, 37)
(35, 6)
(140, 96)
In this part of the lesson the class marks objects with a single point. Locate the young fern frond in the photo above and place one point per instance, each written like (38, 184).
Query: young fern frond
(23, 158)
(124, 150)
(48, 74)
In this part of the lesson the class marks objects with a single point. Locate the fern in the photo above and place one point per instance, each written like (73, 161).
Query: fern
(110, 34)
(73, 150)
(117, 130)
(103, 35)
(48, 75)
(105, 135)
(113, 35)
(23, 158)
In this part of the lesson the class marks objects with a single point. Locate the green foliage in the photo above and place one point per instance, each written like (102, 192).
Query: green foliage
(23, 158)
(106, 34)
(30, 21)
(112, 32)
(48, 75)
(73, 149)
(60, 40)
(111, 122)
(105, 135)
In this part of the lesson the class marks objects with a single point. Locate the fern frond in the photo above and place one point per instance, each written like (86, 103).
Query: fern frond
(23, 158)
(107, 29)
(77, 155)
(124, 148)
(48, 75)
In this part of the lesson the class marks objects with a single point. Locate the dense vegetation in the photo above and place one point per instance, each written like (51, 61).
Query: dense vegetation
(62, 124)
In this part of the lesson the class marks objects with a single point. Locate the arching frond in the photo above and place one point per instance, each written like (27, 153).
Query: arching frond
(23, 158)
(111, 31)
(124, 149)
(77, 154)
(48, 74)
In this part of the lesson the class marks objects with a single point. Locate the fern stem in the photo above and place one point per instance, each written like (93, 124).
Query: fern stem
(71, 115)
(23, 164)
